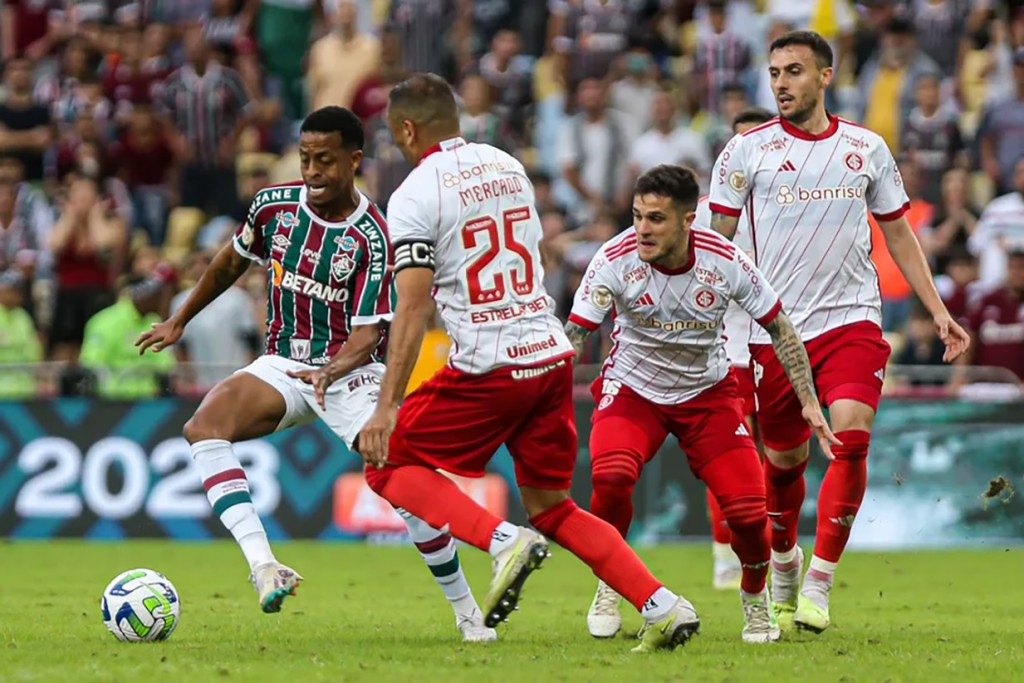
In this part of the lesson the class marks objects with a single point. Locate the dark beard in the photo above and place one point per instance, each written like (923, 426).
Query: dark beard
(801, 116)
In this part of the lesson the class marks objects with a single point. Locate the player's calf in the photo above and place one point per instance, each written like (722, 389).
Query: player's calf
(613, 476)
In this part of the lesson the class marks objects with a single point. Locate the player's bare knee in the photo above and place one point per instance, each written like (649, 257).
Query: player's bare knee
(199, 428)
(537, 500)
(847, 414)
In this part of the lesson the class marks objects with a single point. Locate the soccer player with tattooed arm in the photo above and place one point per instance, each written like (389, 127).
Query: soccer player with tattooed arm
(467, 237)
(671, 286)
(807, 180)
(325, 247)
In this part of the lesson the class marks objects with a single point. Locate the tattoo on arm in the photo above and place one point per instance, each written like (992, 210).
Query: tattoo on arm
(724, 225)
(793, 356)
(578, 336)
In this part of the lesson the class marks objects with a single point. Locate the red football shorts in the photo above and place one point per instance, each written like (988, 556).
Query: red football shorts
(848, 363)
(706, 426)
(745, 389)
(456, 421)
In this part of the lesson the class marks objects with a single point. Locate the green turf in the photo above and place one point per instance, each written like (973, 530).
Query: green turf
(375, 614)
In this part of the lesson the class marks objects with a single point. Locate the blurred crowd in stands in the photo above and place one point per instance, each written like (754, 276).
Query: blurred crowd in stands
(133, 133)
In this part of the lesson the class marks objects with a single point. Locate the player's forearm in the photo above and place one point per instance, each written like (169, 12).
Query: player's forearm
(577, 336)
(404, 342)
(225, 269)
(907, 253)
(356, 351)
(724, 225)
(792, 355)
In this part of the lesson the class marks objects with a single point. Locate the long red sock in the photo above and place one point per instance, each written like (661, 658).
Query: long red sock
(842, 491)
(735, 477)
(719, 527)
(601, 548)
(435, 499)
(785, 494)
(613, 475)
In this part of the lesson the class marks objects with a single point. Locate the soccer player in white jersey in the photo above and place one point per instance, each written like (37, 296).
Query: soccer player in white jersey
(726, 571)
(667, 373)
(467, 237)
(810, 178)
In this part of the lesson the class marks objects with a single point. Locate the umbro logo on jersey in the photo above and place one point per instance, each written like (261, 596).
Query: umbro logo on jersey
(281, 243)
(645, 300)
(787, 165)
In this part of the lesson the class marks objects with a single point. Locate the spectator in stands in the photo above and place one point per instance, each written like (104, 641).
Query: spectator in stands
(896, 292)
(554, 226)
(997, 322)
(78, 63)
(508, 73)
(723, 58)
(478, 121)
(867, 37)
(958, 283)
(887, 81)
(954, 221)
(920, 345)
(144, 160)
(359, 52)
(429, 32)
(667, 142)
(591, 147)
(19, 342)
(208, 107)
(25, 127)
(941, 28)
(121, 372)
(127, 81)
(87, 242)
(931, 138)
(224, 26)
(1001, 132)
(717, 129)
(589, 36)
(26, 28)
(283, 30)
(223, 337)
(634, 93)
(1000, 229)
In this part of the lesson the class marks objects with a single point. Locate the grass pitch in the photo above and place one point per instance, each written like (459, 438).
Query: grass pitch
(374, 614)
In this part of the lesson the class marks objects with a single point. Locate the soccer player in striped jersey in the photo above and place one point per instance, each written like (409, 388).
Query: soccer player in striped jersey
(325, 247)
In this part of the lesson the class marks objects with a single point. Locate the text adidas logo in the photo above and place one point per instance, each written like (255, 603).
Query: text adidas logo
(787, 165)
(645, 300)
(845, 521)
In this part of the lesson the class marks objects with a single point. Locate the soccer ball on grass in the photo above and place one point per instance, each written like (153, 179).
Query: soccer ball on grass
(141, 605)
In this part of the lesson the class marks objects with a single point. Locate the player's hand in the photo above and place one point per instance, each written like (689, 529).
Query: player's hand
(160, 336)
(374, 437)
(319, 379)
(953, 336)
(826, 439)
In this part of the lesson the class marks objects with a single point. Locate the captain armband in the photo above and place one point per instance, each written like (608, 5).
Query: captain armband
(414, 254)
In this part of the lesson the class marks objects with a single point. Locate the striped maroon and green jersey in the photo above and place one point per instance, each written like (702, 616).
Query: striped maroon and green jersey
(324, 278)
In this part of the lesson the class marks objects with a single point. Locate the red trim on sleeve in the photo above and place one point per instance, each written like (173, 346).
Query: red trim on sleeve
(770, 315)
(583, 322)
(727, 210)
(892, 215)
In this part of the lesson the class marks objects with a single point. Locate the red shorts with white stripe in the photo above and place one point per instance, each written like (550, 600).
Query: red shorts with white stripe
(745, 389)
(848, 363)
(456, 421)
(706, 426)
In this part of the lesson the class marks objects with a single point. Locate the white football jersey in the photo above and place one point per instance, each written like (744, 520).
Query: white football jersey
(738, 325)
(468, 211)
(808, 201)
(668, 336)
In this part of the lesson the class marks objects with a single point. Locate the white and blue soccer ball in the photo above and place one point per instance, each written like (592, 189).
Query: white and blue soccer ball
(141, 605)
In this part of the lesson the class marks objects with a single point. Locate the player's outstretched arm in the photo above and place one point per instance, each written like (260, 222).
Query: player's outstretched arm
(227, 266)
(724, 225)
(907, 253)
(353, 354)
(577, 336)
(792, 355)
(412, 312)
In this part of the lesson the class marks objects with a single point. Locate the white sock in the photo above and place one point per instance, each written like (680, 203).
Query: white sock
(228, 492)
(438, 550)
(658, 605)
(784, 557)
(504, 537)
(821, 570)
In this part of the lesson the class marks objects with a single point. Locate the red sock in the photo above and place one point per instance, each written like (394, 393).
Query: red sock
(719, 527)
(736, 479)
(613, 475)
(842, 491)
(601, 548)
(435, 499)
(785, 493)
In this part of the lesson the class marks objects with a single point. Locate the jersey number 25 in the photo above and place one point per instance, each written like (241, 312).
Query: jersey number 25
(485, 228)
